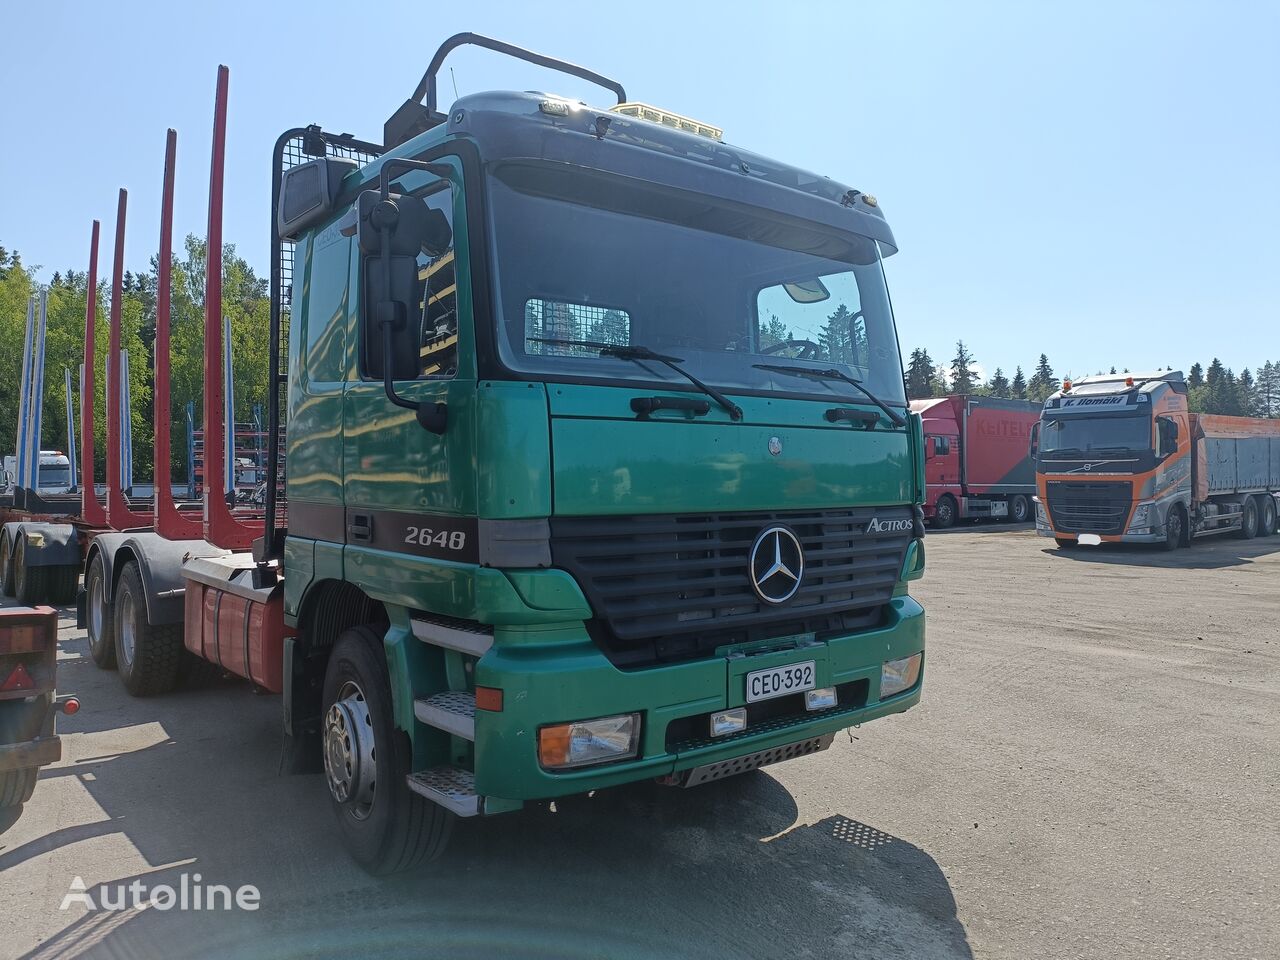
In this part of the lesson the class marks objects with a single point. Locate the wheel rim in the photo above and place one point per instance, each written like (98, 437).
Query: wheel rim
(1019, 510)
(944, 511)
(1175, 528)
(127, 637)
(95, 609)
(349, 751)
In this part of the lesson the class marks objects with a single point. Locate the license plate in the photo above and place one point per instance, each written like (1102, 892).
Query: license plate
(780, 681)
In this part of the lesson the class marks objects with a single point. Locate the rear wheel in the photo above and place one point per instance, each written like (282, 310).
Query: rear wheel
(1019, 509)
(16, 786)
(1175, 529)
(386, 826)
(944, 512)
(1266, 515)
(30, 584)
(148, 656)
(1249, 520)
(99, 616)
(6, 565)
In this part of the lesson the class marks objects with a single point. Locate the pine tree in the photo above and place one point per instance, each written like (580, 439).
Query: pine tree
(1043, 382)
(1018, 388)
(1268, 390)
(1196, 377)
(1246, 393)
(999, 385)
(920, 376)
(962, 378)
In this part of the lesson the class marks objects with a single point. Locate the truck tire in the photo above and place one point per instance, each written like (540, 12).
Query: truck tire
(1248, 520)
(99, 616)
(16, 786)
(945, 511)
(1175, 529)
(385, 826)
(147, 656)
(30, 584)
(6, 565)
(63, 581)
(1064, 543)
(1019, 509)
(1266, 515)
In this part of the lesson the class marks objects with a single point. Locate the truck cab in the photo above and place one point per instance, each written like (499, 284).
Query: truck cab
(1113, 459)
(54, 477)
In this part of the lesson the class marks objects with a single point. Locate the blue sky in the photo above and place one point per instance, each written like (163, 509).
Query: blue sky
(1098, 181)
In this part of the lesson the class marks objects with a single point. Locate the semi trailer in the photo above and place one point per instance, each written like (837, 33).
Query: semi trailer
(976, 459)
(537, 521)
(1120, 458)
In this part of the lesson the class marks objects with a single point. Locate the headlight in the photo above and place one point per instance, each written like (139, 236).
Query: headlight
(1142, 516)
(580, 744)
(899, 675)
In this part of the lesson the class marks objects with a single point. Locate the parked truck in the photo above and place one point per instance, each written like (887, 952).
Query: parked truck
(976, 460)
(1121, 459)
(542, 521)
(54, 473)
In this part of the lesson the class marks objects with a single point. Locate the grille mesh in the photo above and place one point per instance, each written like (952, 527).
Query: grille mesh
(674, 587)
(1092, 507)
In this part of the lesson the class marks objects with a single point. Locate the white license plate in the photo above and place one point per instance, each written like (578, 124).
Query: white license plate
(780, 681)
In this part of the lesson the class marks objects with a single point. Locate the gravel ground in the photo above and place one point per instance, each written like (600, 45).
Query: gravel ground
(1092, 773)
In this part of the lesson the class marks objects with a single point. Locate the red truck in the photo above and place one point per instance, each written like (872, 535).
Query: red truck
(976, 458)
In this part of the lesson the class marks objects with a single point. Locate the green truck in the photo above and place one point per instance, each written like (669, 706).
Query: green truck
(592, 463)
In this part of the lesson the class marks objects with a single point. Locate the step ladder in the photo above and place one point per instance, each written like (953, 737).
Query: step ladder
(454, 712)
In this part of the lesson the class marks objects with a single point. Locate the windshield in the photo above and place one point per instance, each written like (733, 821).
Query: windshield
(586, 256)
(1084, 435)
(55, 476)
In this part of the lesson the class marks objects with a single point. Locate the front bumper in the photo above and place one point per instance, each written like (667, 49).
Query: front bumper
(570, 680)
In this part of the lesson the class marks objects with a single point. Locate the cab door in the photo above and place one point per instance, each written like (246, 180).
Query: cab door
(409, 491)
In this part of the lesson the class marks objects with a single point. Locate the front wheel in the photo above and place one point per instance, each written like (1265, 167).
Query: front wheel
(1019, 509)
(944, 513)
(1249, 521)
(1175, 529)
(385, 826)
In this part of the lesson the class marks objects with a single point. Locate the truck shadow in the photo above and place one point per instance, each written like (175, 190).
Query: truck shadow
(639, 871)
(1209, 554)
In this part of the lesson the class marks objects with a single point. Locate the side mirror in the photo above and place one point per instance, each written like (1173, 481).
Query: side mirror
(391, 231)
(1033, 442)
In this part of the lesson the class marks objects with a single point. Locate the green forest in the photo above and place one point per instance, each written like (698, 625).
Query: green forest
(244, 302)
(1213, 389)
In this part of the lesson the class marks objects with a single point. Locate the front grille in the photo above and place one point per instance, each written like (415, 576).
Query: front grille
(674, 587)
(1092, 507)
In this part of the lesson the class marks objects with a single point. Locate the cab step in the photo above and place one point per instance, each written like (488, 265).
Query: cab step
(461, 635)
(451, 787)
(453, 711)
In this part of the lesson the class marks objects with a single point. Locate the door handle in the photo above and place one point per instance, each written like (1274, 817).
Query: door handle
(360, 527)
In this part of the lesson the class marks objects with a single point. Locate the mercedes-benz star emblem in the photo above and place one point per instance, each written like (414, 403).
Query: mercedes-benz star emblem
(776, 565)
(775, 445)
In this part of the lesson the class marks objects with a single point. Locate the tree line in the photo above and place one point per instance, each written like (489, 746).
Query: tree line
(244, 302)
(1217, 390)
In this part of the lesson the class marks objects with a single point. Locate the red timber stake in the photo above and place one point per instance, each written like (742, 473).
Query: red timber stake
(119, 514)
(170, 522)
(221, 528)
(90, 509)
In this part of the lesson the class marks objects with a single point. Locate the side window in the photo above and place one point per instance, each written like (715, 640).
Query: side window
(941, 446)
(438, 305)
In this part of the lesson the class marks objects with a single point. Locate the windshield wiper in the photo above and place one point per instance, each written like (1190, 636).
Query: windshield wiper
(637, 353)
(834, 374)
